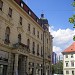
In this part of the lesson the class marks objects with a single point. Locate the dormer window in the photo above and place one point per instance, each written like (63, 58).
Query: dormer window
(1, 5)
(10, 12)
(37, 20)
(29, 12)
(21, 4)
(20, 20)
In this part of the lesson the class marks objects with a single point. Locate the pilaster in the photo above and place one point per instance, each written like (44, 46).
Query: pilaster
(16, 65)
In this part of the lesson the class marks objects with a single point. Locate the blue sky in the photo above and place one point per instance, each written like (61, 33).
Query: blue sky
(58, 13)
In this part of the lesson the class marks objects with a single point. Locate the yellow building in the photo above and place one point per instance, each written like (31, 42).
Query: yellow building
(25, 40)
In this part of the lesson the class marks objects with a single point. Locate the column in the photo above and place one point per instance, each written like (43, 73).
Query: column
(16, 65)
(9, 64)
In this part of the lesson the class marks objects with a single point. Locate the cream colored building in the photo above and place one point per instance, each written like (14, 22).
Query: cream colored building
(69, 60)
(25, 40)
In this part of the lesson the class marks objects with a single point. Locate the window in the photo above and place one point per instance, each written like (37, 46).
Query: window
(41, 36)
(41, 52)
(71, 55)
(33, 48)
(19, 38)
(34, 31)
(28, 27)
(37, 49)
(7, 35)
(21, 4)
(72, 72)
(10, 12)
(66, 64)
(29, 12)
(66, 56)
(28, 43)
(72, 63)
(38, 34)
(20, 20)
(47, 41)
(1, 5)
(67, 72)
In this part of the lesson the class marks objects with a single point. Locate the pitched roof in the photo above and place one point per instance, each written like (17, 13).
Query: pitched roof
(70, 49)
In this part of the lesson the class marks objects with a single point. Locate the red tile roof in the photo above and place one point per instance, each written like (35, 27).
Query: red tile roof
(71, 48)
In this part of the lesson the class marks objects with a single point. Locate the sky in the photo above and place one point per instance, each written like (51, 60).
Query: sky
(58, 13)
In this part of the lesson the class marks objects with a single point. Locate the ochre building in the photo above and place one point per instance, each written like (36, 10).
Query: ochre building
(25, 40)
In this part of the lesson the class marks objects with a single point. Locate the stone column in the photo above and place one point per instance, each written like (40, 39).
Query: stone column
(9, 64)
(16, 65)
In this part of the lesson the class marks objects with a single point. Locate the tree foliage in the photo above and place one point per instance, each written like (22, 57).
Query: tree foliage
(57, 68)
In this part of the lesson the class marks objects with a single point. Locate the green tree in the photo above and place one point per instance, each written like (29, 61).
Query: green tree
(57, 68)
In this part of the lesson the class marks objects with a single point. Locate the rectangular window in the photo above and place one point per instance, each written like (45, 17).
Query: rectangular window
(10, 12)
(34, 31)
(37, 34)
(28, 27)
(66, 64)
(72, 63)
(66, 56)
(67, 72)
(20, 20)
(72, 72)
(71, 55)
(1, 5)
(41, 36)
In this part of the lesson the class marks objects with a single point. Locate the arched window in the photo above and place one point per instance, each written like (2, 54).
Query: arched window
(28, 43)
(7, 35)
(19, 38)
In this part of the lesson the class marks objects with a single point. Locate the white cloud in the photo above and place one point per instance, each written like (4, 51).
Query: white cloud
(62, 39)
(57, 49)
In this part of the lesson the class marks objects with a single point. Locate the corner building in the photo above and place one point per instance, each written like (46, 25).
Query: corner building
(25, 40)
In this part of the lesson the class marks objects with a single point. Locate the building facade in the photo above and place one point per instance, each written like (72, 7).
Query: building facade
(54, 58)
(69, 60)
(25, 40)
